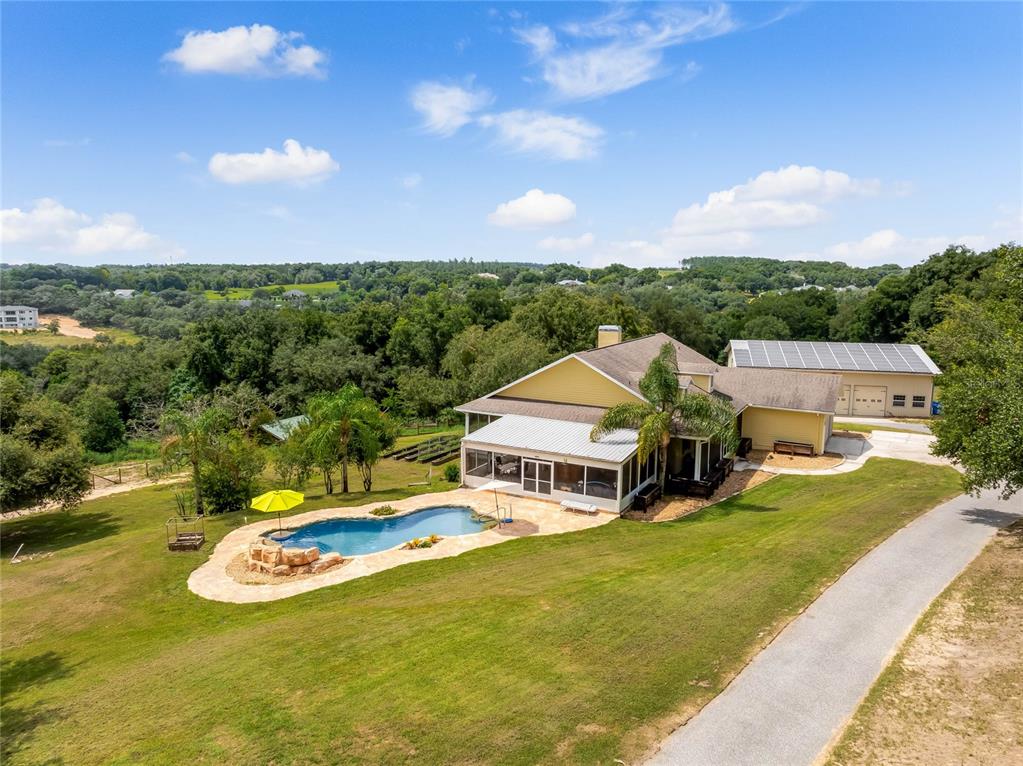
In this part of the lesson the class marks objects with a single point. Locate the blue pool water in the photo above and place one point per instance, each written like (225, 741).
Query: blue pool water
(352, 537)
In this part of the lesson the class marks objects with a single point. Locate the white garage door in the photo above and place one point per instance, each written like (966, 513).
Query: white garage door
(842, 407)
(868, 401)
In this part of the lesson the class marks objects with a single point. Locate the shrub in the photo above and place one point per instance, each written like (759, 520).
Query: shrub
(452, 472)
(384, 510)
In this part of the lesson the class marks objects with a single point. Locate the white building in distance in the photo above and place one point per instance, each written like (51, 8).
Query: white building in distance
(19, 317)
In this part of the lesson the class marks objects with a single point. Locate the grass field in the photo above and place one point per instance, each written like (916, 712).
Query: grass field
(48, 340)
(866, 429)
(242, 293)
(570, 648)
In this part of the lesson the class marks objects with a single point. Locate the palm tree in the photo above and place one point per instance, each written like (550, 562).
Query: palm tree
(668, 408)
(336, 420)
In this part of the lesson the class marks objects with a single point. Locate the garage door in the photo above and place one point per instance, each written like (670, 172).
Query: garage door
(868, 401)
(842, 407)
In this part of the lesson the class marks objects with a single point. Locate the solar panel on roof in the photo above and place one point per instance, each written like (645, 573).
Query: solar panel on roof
(818, 355)
(743, 358)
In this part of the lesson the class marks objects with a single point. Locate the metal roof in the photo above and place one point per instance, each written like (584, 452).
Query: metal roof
(845, 357)
(281, 429)
(557, 437)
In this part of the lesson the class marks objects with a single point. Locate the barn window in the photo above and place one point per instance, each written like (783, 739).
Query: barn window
(898, 400)
(919, 401)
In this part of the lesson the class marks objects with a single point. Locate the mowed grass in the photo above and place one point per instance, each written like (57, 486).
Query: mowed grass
(863, 428)
(569, 648)
(244, 293)
(49, 340)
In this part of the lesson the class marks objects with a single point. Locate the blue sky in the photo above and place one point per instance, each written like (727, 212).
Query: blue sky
(641, 133)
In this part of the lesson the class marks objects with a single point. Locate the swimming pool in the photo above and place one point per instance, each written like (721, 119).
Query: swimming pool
(352, 537)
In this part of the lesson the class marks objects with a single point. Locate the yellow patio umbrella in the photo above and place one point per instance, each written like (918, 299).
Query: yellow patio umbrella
(277, 500)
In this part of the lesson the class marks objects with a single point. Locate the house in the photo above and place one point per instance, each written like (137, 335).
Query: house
(19, 317)
(571, 283)
(878, 379)
(532, 437)
(487, 275)
(124, 294)
(294, 295)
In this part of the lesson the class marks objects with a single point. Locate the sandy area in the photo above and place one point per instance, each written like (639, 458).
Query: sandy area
(776, 460)
(676, 507)
(954, 693)
(68, 326)
(94, 494)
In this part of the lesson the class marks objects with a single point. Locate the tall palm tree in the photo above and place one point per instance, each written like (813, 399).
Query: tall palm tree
(336, 420)
(668, 408)
(191, 436)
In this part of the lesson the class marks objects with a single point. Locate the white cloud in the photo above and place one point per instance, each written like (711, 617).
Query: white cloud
(562, 138)
(52, 227)
(411, 181)
(532, 210)
(630, 50)
(888, 246)
(296, 164)
(567, 244)
(184, 158)
(446, 108)
(257, 50)
(775, 199)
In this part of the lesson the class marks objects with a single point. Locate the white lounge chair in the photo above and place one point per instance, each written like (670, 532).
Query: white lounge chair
(577, 507)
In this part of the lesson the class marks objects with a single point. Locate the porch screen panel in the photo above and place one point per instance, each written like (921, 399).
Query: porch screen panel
(478, 463)
(508, 467)
(569, 477)
(601, 482)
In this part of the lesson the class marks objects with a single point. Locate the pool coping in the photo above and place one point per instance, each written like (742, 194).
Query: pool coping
(211, 580)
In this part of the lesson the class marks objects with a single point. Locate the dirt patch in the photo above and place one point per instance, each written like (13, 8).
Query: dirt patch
(68, 326)
(94, 494)
(954, 692)
(802, 462)
(670, 508)
(238, 570)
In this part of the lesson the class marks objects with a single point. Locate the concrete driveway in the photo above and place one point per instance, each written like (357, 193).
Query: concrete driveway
(905, 446)
(789, 704)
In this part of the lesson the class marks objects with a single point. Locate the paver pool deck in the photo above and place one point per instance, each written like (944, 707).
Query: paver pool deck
(532, 517)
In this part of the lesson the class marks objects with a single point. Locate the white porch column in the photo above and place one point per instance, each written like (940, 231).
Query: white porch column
(699, 455)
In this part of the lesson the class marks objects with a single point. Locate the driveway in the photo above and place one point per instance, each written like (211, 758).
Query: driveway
(790, 703)
(904, 446)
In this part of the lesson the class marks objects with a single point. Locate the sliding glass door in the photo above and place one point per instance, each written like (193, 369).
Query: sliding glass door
(536, 476)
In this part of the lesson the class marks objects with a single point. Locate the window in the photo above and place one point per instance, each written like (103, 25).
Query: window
(898, 400)
(478, 463)
(508, 467)
(569, 478)
(602, 482)
(919, 401)
(477, 422)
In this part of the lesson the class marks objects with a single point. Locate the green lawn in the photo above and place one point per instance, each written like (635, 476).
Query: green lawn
(241, 293)
(569, 648)
(866, 429)
(48, 340)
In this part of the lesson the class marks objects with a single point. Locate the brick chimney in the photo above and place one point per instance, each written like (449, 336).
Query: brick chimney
(608, 335)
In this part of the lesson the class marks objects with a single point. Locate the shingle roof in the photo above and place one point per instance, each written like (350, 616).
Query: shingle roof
(557, 437)
(627, 362)
(503, 405)
(781, 389)
(843, 357)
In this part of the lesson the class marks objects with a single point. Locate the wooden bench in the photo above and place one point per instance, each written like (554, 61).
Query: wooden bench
(576, 507)
(793, 448)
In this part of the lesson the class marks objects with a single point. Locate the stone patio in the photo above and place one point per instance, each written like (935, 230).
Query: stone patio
(532, 517)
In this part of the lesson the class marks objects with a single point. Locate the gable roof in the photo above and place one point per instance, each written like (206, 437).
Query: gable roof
(627, 362)
(778, 389)
(840, 357)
